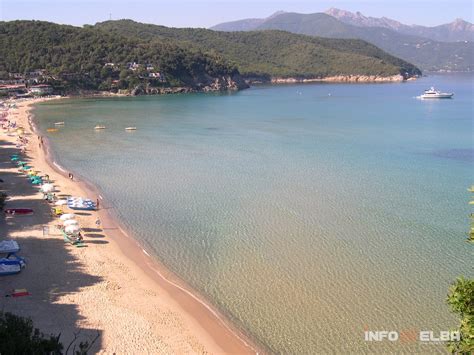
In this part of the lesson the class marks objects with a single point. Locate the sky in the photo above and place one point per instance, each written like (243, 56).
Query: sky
(206, 13)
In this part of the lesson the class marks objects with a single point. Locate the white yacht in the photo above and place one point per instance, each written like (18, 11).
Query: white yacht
(435, 94)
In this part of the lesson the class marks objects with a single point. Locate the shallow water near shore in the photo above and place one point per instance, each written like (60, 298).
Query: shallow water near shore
(306, 213)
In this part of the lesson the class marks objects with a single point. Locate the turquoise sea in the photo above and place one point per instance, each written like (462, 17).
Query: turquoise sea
(306, 213)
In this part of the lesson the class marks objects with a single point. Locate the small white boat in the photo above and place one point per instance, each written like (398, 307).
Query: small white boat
(59, 123)
(131, 128)
(435, 94)
(99, 127)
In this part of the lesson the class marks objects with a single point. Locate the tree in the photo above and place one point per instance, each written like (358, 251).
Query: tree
(461, 300)
(20, 337)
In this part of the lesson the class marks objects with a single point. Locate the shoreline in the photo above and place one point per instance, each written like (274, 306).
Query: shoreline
(212, 329)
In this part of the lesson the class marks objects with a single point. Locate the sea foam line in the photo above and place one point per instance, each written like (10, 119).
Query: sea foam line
(59, 167)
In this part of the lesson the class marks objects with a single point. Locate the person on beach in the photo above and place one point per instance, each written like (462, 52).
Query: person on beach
(97, 222)
(71, 176)
(97, 204)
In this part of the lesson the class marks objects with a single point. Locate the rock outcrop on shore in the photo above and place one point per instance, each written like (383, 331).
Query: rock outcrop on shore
(205, 84)
(341, 79)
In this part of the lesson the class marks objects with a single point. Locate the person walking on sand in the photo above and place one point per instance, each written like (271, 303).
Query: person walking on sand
(97, 204)
(97, 222)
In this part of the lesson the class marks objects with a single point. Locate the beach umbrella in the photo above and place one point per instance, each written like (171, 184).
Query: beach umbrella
(37, 181)
(47, 188)
(72, 229)
(61, 202)
(67, 216)
(70, 222)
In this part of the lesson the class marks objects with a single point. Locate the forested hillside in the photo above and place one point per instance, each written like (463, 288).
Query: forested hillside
(81, 54)
(275, 53)
(126, 55)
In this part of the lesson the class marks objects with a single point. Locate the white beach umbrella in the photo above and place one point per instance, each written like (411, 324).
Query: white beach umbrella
(47, 188)
(72, 229)
(67, 216)
(61, 202)
(70, 222)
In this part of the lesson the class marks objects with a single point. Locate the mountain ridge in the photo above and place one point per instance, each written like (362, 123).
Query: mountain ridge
(457, 30)
(426, 53)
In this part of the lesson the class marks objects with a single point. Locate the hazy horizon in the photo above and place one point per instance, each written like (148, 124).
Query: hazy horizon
(207, 13)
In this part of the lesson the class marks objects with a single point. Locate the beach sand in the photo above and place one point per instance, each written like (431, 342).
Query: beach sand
(111, 288)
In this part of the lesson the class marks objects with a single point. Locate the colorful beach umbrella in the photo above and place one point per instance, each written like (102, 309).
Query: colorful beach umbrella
(70, 222)
(67, 216)
(47, 188)
(72, 229)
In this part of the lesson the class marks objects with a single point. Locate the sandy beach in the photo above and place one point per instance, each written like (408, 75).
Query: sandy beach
(110, 289)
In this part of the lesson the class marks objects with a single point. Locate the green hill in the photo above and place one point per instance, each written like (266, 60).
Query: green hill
(275, 53)
(77, 57)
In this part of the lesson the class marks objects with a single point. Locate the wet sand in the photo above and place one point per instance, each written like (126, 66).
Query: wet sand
(111, 289)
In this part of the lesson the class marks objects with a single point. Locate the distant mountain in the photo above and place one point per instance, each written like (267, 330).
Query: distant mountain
(357, 19)
(458, 30)
(427, 54)
(268, 55)
(249, 24)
